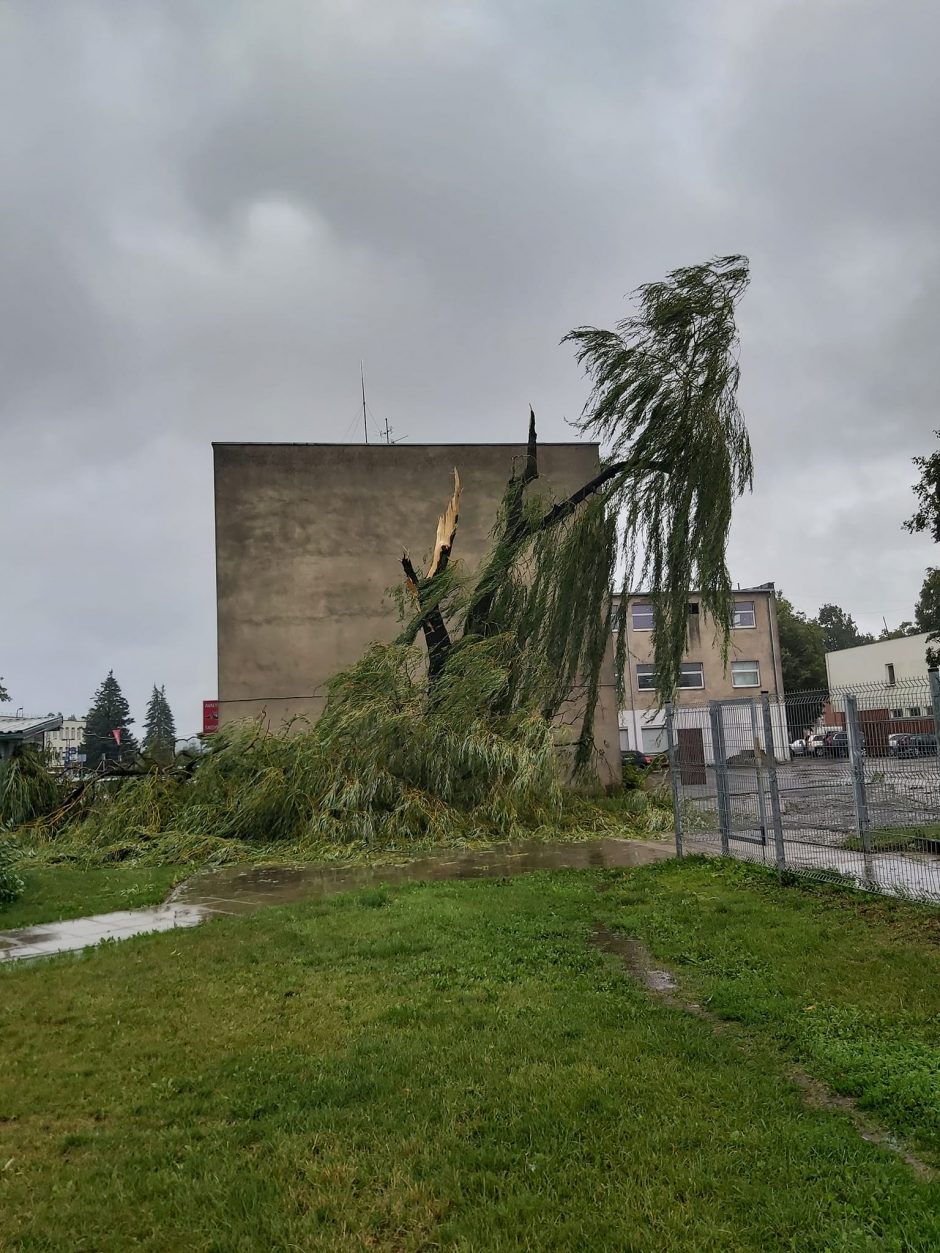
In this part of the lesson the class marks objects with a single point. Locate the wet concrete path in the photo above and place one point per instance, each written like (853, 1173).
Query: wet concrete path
(243, 889)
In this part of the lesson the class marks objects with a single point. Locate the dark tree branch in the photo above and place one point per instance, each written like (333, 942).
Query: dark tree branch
(515, 533)
(532, 457)
(436, 635)
(565, 508)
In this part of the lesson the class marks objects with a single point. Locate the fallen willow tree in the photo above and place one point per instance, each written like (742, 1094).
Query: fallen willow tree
(463, 738)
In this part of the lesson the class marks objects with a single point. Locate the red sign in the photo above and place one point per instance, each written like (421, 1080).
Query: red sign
(210, 716)
(117, 735)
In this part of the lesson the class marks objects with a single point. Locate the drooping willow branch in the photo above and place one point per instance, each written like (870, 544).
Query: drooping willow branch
(663, 402)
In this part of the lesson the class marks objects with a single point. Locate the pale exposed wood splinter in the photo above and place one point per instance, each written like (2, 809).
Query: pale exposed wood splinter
(446, 531)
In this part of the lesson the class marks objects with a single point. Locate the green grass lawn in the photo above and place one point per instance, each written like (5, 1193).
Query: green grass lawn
(456, 1067)
(56, 892)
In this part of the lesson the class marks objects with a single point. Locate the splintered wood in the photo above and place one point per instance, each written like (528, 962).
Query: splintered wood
(446, 531)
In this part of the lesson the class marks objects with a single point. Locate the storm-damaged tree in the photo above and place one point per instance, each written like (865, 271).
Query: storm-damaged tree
(663, 403)
(460, 738)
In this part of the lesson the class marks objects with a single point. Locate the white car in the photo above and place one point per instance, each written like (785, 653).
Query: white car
(798, 748)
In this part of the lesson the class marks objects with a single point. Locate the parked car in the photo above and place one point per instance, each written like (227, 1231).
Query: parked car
(798, 748)
(633, 757)
(815, 743)
(912, 745)
(924, 745)
(836, 744)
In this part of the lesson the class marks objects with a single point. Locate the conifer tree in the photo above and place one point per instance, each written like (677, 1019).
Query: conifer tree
(109, 713)
(159, 728)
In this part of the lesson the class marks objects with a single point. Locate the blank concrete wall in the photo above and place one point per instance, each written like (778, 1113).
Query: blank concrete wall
(309, 539)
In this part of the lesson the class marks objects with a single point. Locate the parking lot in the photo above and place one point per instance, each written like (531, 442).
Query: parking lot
(817, 798)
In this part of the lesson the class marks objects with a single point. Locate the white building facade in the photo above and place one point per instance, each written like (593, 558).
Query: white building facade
(886, 663)
(65, 742)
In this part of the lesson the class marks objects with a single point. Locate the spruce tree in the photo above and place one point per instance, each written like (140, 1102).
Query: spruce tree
(159, 728)
(109, 712)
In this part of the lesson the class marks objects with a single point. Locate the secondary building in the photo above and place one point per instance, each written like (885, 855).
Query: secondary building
(16, 732)
(753, 666)
(63, 744)
(309, 539)
(889, 679)
(886, 664)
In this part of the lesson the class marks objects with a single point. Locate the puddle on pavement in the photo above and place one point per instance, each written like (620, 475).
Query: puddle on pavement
(638, 962)
(242, 888)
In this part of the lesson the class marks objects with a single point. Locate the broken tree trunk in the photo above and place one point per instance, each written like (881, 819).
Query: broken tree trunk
(425, 589)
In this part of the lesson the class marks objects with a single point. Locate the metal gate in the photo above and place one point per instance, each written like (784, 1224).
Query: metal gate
(724, 776)
(757, 779)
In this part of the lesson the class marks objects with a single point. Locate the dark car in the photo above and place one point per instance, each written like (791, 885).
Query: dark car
(901, 745)
(836, 744)
(924, 745)
(912, 745)
(633, 757)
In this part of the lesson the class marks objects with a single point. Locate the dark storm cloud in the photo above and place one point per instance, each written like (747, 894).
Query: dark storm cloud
(211, 212)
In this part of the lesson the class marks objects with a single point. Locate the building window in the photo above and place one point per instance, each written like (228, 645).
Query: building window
(691, 676)
(897, 713)
(745, 614)
(645, 677)
(745, 674)
(889, 674)
(642, 617)
(914, 711)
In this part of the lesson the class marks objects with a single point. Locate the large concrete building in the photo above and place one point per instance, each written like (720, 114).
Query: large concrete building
(309, 539)
(754, 665)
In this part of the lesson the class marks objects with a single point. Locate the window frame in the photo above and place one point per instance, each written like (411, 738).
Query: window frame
(744, 626)
(700, 671)
(648, 672)
(642, 604)
(753, 666)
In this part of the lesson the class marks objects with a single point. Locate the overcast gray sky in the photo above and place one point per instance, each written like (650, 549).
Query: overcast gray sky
(212, 209)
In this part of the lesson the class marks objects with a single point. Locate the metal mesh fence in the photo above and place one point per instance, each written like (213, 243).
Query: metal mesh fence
(844, 784)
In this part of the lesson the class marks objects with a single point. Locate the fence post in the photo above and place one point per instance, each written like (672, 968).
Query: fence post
(857, 761)
(721, 773)
(776, 815)
(934, 677)
(758, 775)
(674, 768)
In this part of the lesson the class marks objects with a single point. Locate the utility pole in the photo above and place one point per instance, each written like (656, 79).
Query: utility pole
(362, 380)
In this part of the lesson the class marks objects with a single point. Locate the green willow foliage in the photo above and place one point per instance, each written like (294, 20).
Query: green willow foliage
(11, 883)
(664, 400)
(381, 765)
(474, 734)
(27, 789)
